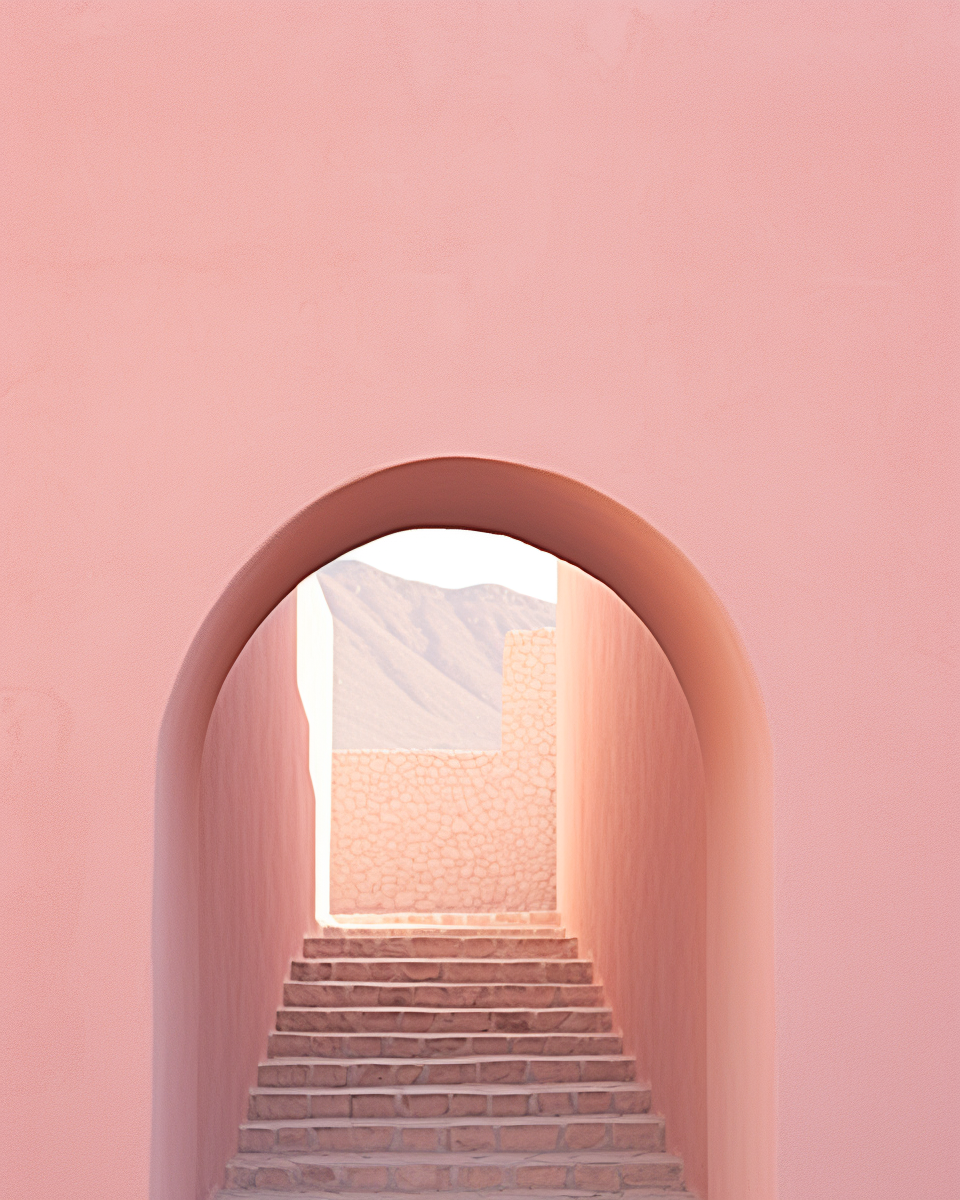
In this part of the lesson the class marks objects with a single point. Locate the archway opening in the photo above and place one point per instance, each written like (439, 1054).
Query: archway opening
(674, 602)
(442, 765)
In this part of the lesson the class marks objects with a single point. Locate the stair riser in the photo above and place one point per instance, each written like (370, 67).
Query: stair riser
(424, 1020)
(447, 919)
(666, 1192)
(272, 1106)
(424, 1055)
(645, 1136)
(429, 1177)
(510, 931)
(438, 970)
(307, 1045)
(406, 1074)
(451, 995)
(451, 946)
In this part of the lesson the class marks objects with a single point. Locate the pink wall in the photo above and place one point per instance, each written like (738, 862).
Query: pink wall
(631, 846)
(256, 876)
(700, 257)
(459, 830)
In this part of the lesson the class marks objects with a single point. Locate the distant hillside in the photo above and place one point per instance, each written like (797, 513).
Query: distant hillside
(417, 667)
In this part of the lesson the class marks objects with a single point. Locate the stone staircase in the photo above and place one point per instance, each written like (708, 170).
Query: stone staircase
(421, 1053)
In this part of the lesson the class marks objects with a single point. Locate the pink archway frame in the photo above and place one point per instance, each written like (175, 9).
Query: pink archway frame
(675, 602)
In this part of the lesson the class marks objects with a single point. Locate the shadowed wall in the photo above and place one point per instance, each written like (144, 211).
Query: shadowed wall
(256, 875)
(631, 846)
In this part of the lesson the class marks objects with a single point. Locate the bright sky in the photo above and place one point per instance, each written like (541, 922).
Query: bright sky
(456, 558)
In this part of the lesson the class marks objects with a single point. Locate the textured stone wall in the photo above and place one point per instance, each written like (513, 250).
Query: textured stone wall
(456, 831)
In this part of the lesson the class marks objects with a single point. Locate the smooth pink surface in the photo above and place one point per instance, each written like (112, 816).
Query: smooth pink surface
(631, 847)
(256, 876)
(701, 257)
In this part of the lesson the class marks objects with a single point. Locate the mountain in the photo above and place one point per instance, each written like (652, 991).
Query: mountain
(418, 667)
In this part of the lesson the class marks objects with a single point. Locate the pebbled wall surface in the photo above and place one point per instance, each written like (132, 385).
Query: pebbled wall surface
(456, 831)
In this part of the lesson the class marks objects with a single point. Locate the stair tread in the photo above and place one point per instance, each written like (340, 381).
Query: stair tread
(439, 1035)
(409, 943)
(412, 934)
(446, 984)
(432, 1036)
(334, 932)
(422, 1122)
(535, 917)
(539, 970)
(468, 1089)
(425, 1008)
(387, 1060)
(507, 1194)
(491, 1069)
(393, 1158)
(370, 989)
(442, 933)
(536, 958)
(391, 1018)
(385, 1020)
(469, 922)
(390, 1022)
(384, 997)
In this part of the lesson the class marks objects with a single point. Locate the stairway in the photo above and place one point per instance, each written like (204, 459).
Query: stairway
(424, 1053)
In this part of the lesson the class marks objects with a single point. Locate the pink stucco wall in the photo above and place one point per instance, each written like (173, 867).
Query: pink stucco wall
(631, 846)
(255, 874)
(456, 831)
(700, 258)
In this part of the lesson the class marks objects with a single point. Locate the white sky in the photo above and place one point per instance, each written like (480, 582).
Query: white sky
(456, 558)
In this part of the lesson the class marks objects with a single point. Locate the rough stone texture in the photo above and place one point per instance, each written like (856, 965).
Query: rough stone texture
(427, 831)
(329, 1118)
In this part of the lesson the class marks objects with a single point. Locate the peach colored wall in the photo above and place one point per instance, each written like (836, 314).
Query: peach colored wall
(631, 846)
(431, 831)
(255, 876)
(698, 257)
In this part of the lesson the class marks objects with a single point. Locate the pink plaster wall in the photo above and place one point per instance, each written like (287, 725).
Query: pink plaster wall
(255, 876)
(631, 846)
(700, 257)
(456, 831)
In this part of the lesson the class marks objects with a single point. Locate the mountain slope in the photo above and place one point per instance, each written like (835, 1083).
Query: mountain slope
(419, 667)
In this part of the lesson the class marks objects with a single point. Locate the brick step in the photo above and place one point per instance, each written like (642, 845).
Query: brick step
(438, 1045)
(419, 1053)
(538, 1194)
(544, 932)
(444, 1020)
(435, 945)
(457, 1135)
(490, 1100)
(352, 994)
(450, 918)
(514, 1070)
(597, 1170)
(444, 970)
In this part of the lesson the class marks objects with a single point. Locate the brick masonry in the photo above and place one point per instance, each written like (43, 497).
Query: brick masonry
(456, 831)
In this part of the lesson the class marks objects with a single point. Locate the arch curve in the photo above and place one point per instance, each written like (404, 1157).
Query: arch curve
(667, 592)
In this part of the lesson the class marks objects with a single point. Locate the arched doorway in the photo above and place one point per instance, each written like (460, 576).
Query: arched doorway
(676, 604)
